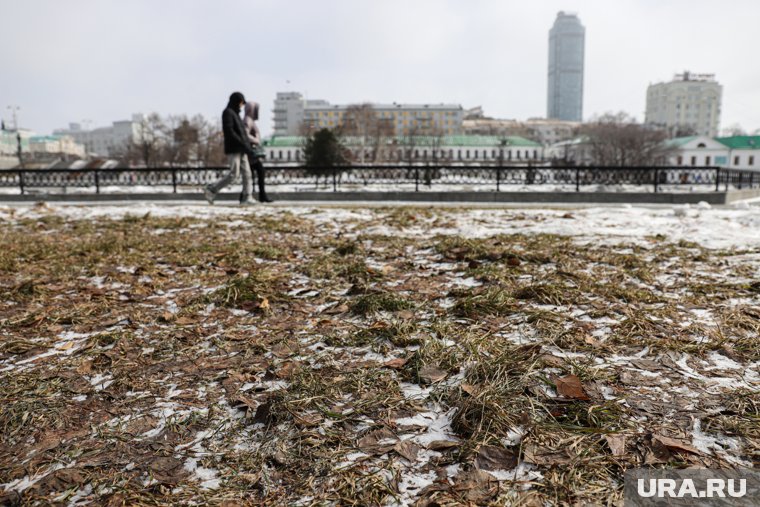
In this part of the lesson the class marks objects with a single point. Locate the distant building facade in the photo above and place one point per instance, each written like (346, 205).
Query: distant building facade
(462, 149)
(735, 152)
(292, 113)
(544, 131)
(566, 62)
(689, 101)
(56, 145)
(9, 144)
(110, 141)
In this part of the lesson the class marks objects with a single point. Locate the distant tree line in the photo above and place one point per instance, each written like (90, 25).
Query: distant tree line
(616, 139)
(176, 140)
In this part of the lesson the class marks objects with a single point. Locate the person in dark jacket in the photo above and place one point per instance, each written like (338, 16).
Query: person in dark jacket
(256, 161)
(238, 147)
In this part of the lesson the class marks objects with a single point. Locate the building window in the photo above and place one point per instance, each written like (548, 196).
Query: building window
(707, 160)
(693, 160)
(467, 154)
(751, 160)
(736, 160)
(476, 154)
(680, 160)
(459, 154)
(535, 154)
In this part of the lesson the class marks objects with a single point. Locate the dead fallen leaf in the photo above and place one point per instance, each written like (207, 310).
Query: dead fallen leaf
(263, 414)
(513, 261)
(431, 374)
(286, 370)
(168, 470)
(85, 367)
(396, 363)
(470, 389)
(442, 445)
(545, 456)
(407, 449)
(342, 308)
(675, 445)
(551, 360)
(616, 444)
(477, 486)
(405, 314)
(283, 350)
(491, 457)
(307, 420)
(570, 386)
(378, 441)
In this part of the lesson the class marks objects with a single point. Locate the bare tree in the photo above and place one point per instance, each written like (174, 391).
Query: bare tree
(146, 148)
(176, 140)
(734, 129)
(210, 142)
(617, 140)
(372, 132)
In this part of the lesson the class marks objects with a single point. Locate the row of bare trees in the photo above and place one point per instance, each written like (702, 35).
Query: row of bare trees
(176, 140)
(618, 140)
(612, 139)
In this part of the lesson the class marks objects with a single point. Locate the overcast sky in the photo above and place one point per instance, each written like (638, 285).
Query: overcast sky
(102, 60)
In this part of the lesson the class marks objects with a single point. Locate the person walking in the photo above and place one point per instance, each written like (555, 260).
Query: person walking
(256, 161)
(237, 147)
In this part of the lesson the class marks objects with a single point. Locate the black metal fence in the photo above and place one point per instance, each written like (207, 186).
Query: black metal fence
(420, 177)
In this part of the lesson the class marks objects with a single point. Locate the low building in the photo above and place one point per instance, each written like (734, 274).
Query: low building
(735, 152)
(541, 130)
(570, 152)
(509, 150)
(698, 151)
(744, 151)
(56, 145)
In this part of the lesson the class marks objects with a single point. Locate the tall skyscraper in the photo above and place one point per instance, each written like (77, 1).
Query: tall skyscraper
(566, 49)
(690, 103)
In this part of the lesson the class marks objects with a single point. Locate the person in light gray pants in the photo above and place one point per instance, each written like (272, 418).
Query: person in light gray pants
(237, 146)
(237, 162)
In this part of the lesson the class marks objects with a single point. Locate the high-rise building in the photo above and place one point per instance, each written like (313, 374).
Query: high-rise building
(290, 110)
(566, 54)
(689, 104)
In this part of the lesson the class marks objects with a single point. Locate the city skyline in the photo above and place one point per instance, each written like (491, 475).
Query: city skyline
(178, 58)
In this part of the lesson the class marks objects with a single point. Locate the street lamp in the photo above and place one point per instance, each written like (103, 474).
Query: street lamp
(14, 111)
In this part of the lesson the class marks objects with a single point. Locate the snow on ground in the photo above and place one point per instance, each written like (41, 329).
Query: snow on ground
(276, 187)
(711, 227)
(178, 391)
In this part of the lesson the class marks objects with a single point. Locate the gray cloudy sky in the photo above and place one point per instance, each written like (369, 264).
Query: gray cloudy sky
(102, 60)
